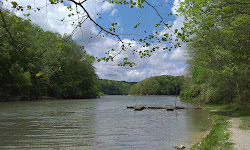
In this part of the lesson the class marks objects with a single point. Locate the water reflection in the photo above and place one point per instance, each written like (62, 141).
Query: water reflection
(98, 124)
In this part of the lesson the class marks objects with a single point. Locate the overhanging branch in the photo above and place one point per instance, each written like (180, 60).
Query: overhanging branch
(92, 20)
(98, 25)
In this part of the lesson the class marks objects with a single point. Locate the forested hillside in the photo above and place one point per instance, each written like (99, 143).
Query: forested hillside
(219, 68)
(158, 85)
(112, 87)
(36, 64)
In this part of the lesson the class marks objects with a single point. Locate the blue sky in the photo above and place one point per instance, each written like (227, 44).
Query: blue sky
(128, 17)
(160, 63)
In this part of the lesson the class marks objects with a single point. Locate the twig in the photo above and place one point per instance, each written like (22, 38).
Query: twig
(6, 28)
(162, 19)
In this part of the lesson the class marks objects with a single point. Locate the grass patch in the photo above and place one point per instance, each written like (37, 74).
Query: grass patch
(245, 123)
(233, 112)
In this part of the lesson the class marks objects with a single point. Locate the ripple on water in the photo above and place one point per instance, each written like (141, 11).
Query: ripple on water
(103, 124)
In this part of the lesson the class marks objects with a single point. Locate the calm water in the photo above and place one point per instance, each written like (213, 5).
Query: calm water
(99, 124)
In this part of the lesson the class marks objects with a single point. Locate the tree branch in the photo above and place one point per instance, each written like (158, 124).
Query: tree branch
(102, 29)
(162, 19)
(155, 10)
(6, 28)
(91, 19)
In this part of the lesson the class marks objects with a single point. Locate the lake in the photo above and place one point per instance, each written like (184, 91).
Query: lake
(100, 124)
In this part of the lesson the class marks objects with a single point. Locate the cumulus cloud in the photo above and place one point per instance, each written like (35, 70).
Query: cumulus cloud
(47, 18)
(160, 63)
(179, 54)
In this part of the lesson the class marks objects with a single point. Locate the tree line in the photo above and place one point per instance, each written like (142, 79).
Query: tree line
(111, 87)
(37, 64)
(219, 49)
(158, 85)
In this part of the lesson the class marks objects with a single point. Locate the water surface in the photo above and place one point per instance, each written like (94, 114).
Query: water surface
(99, 124)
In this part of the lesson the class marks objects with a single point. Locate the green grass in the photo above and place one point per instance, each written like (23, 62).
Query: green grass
(218, 136)
(234, 112)
(245, 123)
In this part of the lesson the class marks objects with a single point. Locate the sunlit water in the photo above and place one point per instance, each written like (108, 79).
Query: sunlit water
(99, 124)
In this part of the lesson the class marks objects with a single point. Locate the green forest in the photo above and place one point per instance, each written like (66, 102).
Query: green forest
(219, 50)
(39, 64)
(111, 87)
(158, 85)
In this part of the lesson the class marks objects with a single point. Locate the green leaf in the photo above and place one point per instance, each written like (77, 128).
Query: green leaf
(157, 25)
(39, 74)
(7, 55)
(14, 4)
(164, 39)
(28, 7)
(224, 9)
(166, 35)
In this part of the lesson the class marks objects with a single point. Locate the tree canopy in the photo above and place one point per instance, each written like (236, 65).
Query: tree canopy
(36, 64)
(112, 87)
(158, 85)
(219, 49)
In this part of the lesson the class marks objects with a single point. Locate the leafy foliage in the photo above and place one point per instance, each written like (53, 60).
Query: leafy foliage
(158, 85)
(42, 64)
(219, 50)
(112, 87)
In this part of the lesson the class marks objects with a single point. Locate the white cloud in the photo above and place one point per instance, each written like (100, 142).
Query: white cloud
(106, 6)
(113, 12)
(178, 22)
(47, 18)
(179, 54)
(176, 6)
(135, 75)
(159, 63)
(168, 69)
